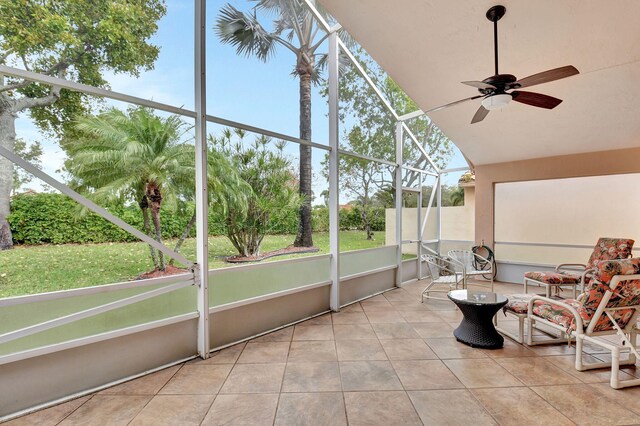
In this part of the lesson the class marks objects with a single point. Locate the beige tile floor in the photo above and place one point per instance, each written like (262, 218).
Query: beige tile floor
(384, 361)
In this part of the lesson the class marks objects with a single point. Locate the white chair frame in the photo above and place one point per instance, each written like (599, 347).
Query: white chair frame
(559, 269)
(464, 259)
(519, 338)
(451, 282)
(627, 334)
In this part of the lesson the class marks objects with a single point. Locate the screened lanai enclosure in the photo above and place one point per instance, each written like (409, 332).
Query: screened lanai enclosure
(58, 345)
(321, 119)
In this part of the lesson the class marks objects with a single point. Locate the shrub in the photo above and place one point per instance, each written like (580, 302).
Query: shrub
(273, 197)
(320, 219)
(54, 219)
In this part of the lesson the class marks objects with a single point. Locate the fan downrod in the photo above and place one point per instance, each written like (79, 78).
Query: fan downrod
(496, 12)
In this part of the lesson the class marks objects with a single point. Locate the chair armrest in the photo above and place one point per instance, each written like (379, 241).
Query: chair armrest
(583, 278)
(569, 266)
(576, 315)
(619, 278)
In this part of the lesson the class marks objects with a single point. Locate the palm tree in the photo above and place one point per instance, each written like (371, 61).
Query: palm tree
(295, 29)
(138, 155)
(456, 197)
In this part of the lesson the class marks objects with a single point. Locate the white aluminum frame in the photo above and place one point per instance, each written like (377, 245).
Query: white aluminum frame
(200, 273)
(334, 163)
(76, 316)
(201, 269)
(92, 206)
(398, 194)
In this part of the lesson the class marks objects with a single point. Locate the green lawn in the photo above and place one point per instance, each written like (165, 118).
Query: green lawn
(38, 269)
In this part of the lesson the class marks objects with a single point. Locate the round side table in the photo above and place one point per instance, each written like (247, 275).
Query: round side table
(478, 309)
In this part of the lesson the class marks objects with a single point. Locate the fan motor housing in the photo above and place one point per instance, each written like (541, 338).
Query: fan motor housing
(502, 82)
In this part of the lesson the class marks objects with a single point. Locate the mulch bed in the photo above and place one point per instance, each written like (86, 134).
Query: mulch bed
(267, 255)
(168, 270)
(173, 270)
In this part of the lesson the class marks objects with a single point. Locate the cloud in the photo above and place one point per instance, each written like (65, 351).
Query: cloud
(174, 88)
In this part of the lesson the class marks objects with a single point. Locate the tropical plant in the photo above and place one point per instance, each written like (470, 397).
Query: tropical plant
(269, 174)
(295, 29)
(73, 39)
(137, 156)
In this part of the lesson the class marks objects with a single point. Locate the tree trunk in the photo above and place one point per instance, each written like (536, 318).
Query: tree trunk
(183, 237)
(305, 237)
(7, 141)
(155, 202)
(366, 222)
(144, 206)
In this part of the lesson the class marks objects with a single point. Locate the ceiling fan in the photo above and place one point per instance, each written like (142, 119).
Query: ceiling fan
(494, 89)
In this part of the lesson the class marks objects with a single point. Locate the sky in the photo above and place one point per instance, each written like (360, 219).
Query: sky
(242, 89)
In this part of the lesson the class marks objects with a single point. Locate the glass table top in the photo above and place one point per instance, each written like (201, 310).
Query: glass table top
(477, 297)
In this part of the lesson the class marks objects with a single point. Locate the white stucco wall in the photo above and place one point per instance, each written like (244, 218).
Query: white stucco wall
(457, 223)
(564, 211)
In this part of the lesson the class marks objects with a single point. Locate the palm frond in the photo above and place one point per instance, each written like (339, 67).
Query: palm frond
(245, 33)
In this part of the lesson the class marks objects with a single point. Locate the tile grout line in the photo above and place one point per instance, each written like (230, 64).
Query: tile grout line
(404, 390)
(484, 407)
(284, 373)
(335, 346)
(223, 382)
(74, 410)
(156, 394)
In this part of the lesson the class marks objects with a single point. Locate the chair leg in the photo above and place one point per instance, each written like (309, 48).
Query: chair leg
(615, 368)
(519, 338)
(579, 347)
(530, 331)
(614, 364)
(632, 340)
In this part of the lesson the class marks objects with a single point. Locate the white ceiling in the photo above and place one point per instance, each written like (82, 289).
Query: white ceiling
(430, 46)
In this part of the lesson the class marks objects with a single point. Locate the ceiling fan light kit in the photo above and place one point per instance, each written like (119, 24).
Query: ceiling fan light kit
(494, 90)
(496, 101)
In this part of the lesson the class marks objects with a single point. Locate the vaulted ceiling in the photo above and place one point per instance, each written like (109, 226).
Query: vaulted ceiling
(430, 46)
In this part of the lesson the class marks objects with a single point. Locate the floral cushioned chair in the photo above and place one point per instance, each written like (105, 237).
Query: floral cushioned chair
(609, 305)
(605, 249)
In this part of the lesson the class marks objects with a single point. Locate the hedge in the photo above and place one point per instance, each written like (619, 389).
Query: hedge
(55, 219)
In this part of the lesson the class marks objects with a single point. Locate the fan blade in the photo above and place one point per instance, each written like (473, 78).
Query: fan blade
(480, 114)
(535, 99)
(453, 103)
(479, 85)
(547, 76)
